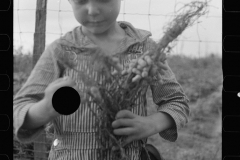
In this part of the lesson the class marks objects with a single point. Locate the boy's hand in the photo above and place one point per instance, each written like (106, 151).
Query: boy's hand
(158, 67)
(132, 126)
(52, 88)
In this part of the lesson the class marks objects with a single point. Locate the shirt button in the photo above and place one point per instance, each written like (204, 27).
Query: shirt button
(55, 143)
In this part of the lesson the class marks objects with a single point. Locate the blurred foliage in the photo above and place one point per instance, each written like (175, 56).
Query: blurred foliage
(22, 62)
(199, 77)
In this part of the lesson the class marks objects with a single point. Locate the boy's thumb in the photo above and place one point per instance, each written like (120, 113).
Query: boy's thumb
(125, 114)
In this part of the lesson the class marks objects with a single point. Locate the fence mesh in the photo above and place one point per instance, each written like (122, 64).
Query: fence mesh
(199, 40)
(147, 17)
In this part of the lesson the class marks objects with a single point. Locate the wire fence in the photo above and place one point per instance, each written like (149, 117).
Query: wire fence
(202, 39)
(58, 23)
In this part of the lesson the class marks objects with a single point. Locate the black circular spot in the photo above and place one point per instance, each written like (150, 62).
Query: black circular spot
(66, 100)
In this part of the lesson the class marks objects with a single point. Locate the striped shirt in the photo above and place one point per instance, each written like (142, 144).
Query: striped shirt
(75, 134)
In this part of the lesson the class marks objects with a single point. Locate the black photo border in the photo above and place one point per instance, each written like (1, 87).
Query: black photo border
(6, 80)
(231, 68)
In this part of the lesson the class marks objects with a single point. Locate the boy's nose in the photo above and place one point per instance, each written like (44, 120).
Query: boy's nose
(92, 9)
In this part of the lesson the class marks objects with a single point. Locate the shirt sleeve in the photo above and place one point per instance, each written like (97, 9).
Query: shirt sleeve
(170, 98)
(45, 71)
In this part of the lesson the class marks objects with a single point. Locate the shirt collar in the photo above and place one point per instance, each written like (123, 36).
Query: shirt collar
(77, 39)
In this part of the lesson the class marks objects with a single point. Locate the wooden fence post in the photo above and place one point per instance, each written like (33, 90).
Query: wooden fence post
(40, 147)
(40, 29)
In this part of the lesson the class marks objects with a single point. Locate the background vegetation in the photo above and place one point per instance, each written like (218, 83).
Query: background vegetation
(201, 79)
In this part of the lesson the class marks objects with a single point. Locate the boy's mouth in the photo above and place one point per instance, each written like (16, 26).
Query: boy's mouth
(95, 22)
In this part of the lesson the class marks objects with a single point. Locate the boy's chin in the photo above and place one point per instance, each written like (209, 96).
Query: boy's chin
(99, 30)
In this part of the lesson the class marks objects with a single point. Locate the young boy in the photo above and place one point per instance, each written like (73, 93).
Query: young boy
(75, 133)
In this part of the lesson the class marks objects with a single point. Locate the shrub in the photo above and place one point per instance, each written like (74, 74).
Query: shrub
(199, 77)
(22, 62)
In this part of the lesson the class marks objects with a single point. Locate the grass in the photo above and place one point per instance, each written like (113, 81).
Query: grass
(201, 139)
(197, 141)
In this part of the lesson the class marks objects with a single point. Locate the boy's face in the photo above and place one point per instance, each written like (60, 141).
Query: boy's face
(97, 16)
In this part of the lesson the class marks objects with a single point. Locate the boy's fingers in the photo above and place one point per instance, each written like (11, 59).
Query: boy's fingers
(125, 114)
(153, 70)
(159, 78)
(61, 79)
(70, 81)
(161, 65)
(65, 81)
(122, 122)
(57, 80)
(163, 57)
(76, 88)
(161, 72)
(123, 131)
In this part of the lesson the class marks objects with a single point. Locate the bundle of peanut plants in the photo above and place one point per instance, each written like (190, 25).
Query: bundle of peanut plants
(122, 92)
